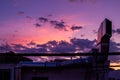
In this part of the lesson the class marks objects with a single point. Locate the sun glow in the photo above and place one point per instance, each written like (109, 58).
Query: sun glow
(115, 66)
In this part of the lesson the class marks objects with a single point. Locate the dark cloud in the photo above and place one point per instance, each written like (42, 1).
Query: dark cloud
(63, 47)
(42, 50)
(113, 31)
(53, 22)
(31, 43)
(73, 28)
(51, 44)
(83, 43)
(18, 47)
(43, 19)
(116, 31)
(59, 47)
(56, 46)
(60, 25)
(114, 47)
(41, 45)
(5, 48)
(38, 25)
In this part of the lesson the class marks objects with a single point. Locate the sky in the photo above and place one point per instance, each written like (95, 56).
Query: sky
(56, 25)
(60, 26)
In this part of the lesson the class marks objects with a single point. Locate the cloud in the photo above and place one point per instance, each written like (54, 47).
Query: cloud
(29, 19)
(38, 25)
(116, 31)
(83, 43)
(43, 19)
(18, 47)
(60, 25)
(53, 22)
(74, 45)
(73, 28)
(30, 48)
(22, 13)
(114, 47)
(113, 31)
(31, 43)
(51, 44)
(5, 48)
(41, 45)
(59, 47)
(56, 46)
(63, 47)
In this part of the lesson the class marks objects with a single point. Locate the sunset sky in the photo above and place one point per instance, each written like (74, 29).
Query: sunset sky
(40, 25)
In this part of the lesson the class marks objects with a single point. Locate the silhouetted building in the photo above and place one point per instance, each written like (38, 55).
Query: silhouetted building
(78, 69)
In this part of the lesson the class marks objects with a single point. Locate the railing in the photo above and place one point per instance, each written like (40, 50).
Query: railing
(61, 54)
(114, 55)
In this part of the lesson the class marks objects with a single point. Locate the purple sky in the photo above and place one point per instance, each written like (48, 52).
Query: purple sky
(40, 25)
